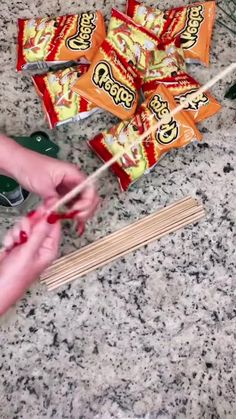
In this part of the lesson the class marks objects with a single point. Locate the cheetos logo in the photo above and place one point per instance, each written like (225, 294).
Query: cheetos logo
(168, 131)
(82, 40)
(104, 79)
(189, 36)
(196, 103)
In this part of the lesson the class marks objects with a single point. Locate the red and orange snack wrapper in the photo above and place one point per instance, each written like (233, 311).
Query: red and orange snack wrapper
(133, 42)
(60, 103)
(194, 24)
(181, 86)
(46, 42)
(111, 83)
(80, 38)
(35, 40)
(177, 132)
(168, 61)
(150, 18)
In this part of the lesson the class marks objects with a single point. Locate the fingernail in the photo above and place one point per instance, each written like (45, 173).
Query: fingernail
(71, 215)
(53, 218)
(23, 237)
(31, 214)
(80, 229)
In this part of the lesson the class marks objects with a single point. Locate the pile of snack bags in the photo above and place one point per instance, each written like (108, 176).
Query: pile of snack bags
(137, 71)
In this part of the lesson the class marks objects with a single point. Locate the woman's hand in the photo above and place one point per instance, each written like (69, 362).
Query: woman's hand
(23, 264)
(52, 178)
(46, 177)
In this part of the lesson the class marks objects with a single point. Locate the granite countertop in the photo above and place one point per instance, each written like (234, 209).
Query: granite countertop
(153, 334)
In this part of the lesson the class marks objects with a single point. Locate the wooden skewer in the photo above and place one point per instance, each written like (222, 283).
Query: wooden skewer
(105, 262)
(154, 236)
(82, 266)
(137, 140)
(112, 244)
(170, 209)
(176, 207)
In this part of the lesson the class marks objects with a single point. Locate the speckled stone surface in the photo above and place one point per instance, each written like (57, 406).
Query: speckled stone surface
(153, 334)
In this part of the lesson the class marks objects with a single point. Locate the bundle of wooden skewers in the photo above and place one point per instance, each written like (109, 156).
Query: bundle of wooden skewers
(118, 244)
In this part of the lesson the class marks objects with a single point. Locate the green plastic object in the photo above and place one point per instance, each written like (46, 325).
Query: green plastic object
(11, 192)
(231, 93)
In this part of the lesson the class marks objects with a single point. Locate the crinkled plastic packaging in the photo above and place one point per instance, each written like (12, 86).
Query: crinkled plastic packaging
(133, 42)
(178, 131)
(194, 24)
(46, 42)
(60, 103)
(150, 18)
(168, 61)
(111, 83)
(181, 86)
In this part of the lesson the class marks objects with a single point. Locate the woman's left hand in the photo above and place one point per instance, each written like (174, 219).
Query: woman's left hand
(23, 264)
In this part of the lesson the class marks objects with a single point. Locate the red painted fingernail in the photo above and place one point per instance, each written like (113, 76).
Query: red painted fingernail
(71, 215)
(53, 218)
(31, 214)
(80, 228)
(23, 237)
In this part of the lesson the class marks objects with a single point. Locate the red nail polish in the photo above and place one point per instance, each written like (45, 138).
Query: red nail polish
(53, 218)
(31, 214)
(71, 215)
(23, 237)
(80, 228)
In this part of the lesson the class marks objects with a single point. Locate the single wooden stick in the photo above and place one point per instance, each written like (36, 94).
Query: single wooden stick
(90, 179)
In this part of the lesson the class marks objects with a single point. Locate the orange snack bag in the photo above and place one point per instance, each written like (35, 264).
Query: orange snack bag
(177, 132)
(60, 103)
(168, 60)
(150, 18)
(46, 42)
(133, 42)
(182, 85)
(194, 23)
(79, 39)
(111, 83)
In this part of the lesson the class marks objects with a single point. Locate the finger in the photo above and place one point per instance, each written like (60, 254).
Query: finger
(50, 247)
(80, 228)
(71, 178)
(40, 231)
(74, 178)
(89, 193)
(8, 241)
(24, 225)
(12, 236)
(86, 209)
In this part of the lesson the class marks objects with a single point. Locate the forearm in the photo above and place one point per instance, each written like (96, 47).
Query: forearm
(10, 152)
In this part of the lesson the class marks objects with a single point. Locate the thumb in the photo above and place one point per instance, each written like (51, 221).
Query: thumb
(40, 231)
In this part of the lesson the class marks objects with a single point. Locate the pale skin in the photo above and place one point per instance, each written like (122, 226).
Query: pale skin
(50, 179)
